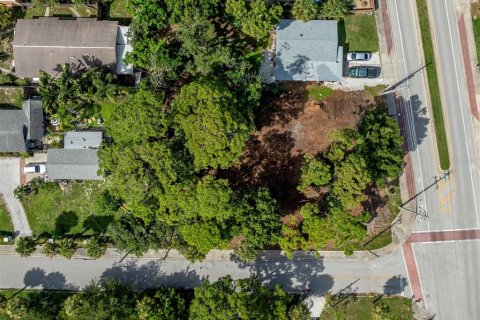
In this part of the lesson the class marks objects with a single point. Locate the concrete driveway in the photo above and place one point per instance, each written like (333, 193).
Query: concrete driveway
(9, 180)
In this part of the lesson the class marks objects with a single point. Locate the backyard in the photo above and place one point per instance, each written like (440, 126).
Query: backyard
(11, 97)
(359, 33)
(72, 210)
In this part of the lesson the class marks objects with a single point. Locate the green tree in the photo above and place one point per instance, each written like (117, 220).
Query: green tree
(351, 177)
(134, 235)
(215, 132)
(257, 223)
(382, 146)
(314, 172)
(181, 10)
(50, 249)
(334, 9)
(342, 142)
(166, 304)
(202, 236)
(103, 300)
(255, 18)
(25, 246)
(67, 247)
(227, 299)
(299, 312)
(15, 308)
(6, 18)
(305, 9)
(95, 247)
(203, 45)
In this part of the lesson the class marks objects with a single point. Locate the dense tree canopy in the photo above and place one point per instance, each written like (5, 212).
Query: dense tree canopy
(305, 9)
(334, 9)
(255, 18)
(314, 173)
(215, 131)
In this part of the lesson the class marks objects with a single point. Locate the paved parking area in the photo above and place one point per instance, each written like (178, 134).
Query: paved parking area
(9, 180)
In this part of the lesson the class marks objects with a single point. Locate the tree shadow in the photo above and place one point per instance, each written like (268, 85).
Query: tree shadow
(408, 110)
(149, 275)
(65, 222)
(98, 224)
(395, 285)
(302, 273)
(37, 277)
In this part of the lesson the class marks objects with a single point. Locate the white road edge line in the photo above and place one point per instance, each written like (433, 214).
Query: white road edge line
(413, 133)
(463, 117)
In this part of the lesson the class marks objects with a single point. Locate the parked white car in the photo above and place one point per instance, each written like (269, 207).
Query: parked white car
(35, 168)
(359, 56)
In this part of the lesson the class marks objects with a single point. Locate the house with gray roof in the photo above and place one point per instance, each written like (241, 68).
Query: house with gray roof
(308, 51)
(82, 139)
(21, 129)
(47, 42)
(78, 159)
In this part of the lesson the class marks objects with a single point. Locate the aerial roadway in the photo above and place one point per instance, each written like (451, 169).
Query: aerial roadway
(446, 257)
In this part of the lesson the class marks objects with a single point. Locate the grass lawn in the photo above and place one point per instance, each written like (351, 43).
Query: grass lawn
(86, 12)
(6, 225)
(476, 26)
(438, 120)
(360, 308)
(34, 12)
(360, 33)
(118, 9)
(61, 12)
(319, 92)
(373, 92)
(11, 97)
(52, 209)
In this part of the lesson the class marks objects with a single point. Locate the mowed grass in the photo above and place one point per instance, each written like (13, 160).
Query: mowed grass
(319, 92)
(360, 308)
(476, 27)
(433, 86)
(32, 12)
(361, 33)
(11, 97)
(50, 207)
(6, 225)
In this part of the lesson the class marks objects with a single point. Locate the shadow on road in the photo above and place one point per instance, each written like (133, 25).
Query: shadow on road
(413, 135)
(395, 285)
(149, 275)
(38, 278)
(302, 273)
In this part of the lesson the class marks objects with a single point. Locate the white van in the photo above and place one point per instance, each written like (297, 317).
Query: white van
(35, 168)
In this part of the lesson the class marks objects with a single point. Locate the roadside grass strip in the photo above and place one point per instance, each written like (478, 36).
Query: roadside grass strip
(428, 52)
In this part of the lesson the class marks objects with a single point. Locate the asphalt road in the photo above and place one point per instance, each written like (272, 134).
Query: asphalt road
(448, 271)
(320, 275)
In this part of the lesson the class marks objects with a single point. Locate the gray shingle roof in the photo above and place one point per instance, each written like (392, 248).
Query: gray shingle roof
(34, 111)
(18, 126)
(44, 43)
(82, 139)
(308, 51)
(71, 164)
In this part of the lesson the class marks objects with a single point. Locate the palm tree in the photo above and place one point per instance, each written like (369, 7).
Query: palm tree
(305, 10)
(26, 246)
(95, 247)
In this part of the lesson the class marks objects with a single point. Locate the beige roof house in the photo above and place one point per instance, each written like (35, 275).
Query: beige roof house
(47, 42)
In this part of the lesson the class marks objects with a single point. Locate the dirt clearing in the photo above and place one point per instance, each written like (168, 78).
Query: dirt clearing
(291, 124)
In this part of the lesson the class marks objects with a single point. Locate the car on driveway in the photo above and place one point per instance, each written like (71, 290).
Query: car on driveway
(364, 72)
(35, 168)
(359, 56)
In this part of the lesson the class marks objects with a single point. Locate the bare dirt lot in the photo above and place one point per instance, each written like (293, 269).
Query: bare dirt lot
(290, 125)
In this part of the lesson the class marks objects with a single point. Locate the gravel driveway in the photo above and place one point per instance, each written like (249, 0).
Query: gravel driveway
(9, 180)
